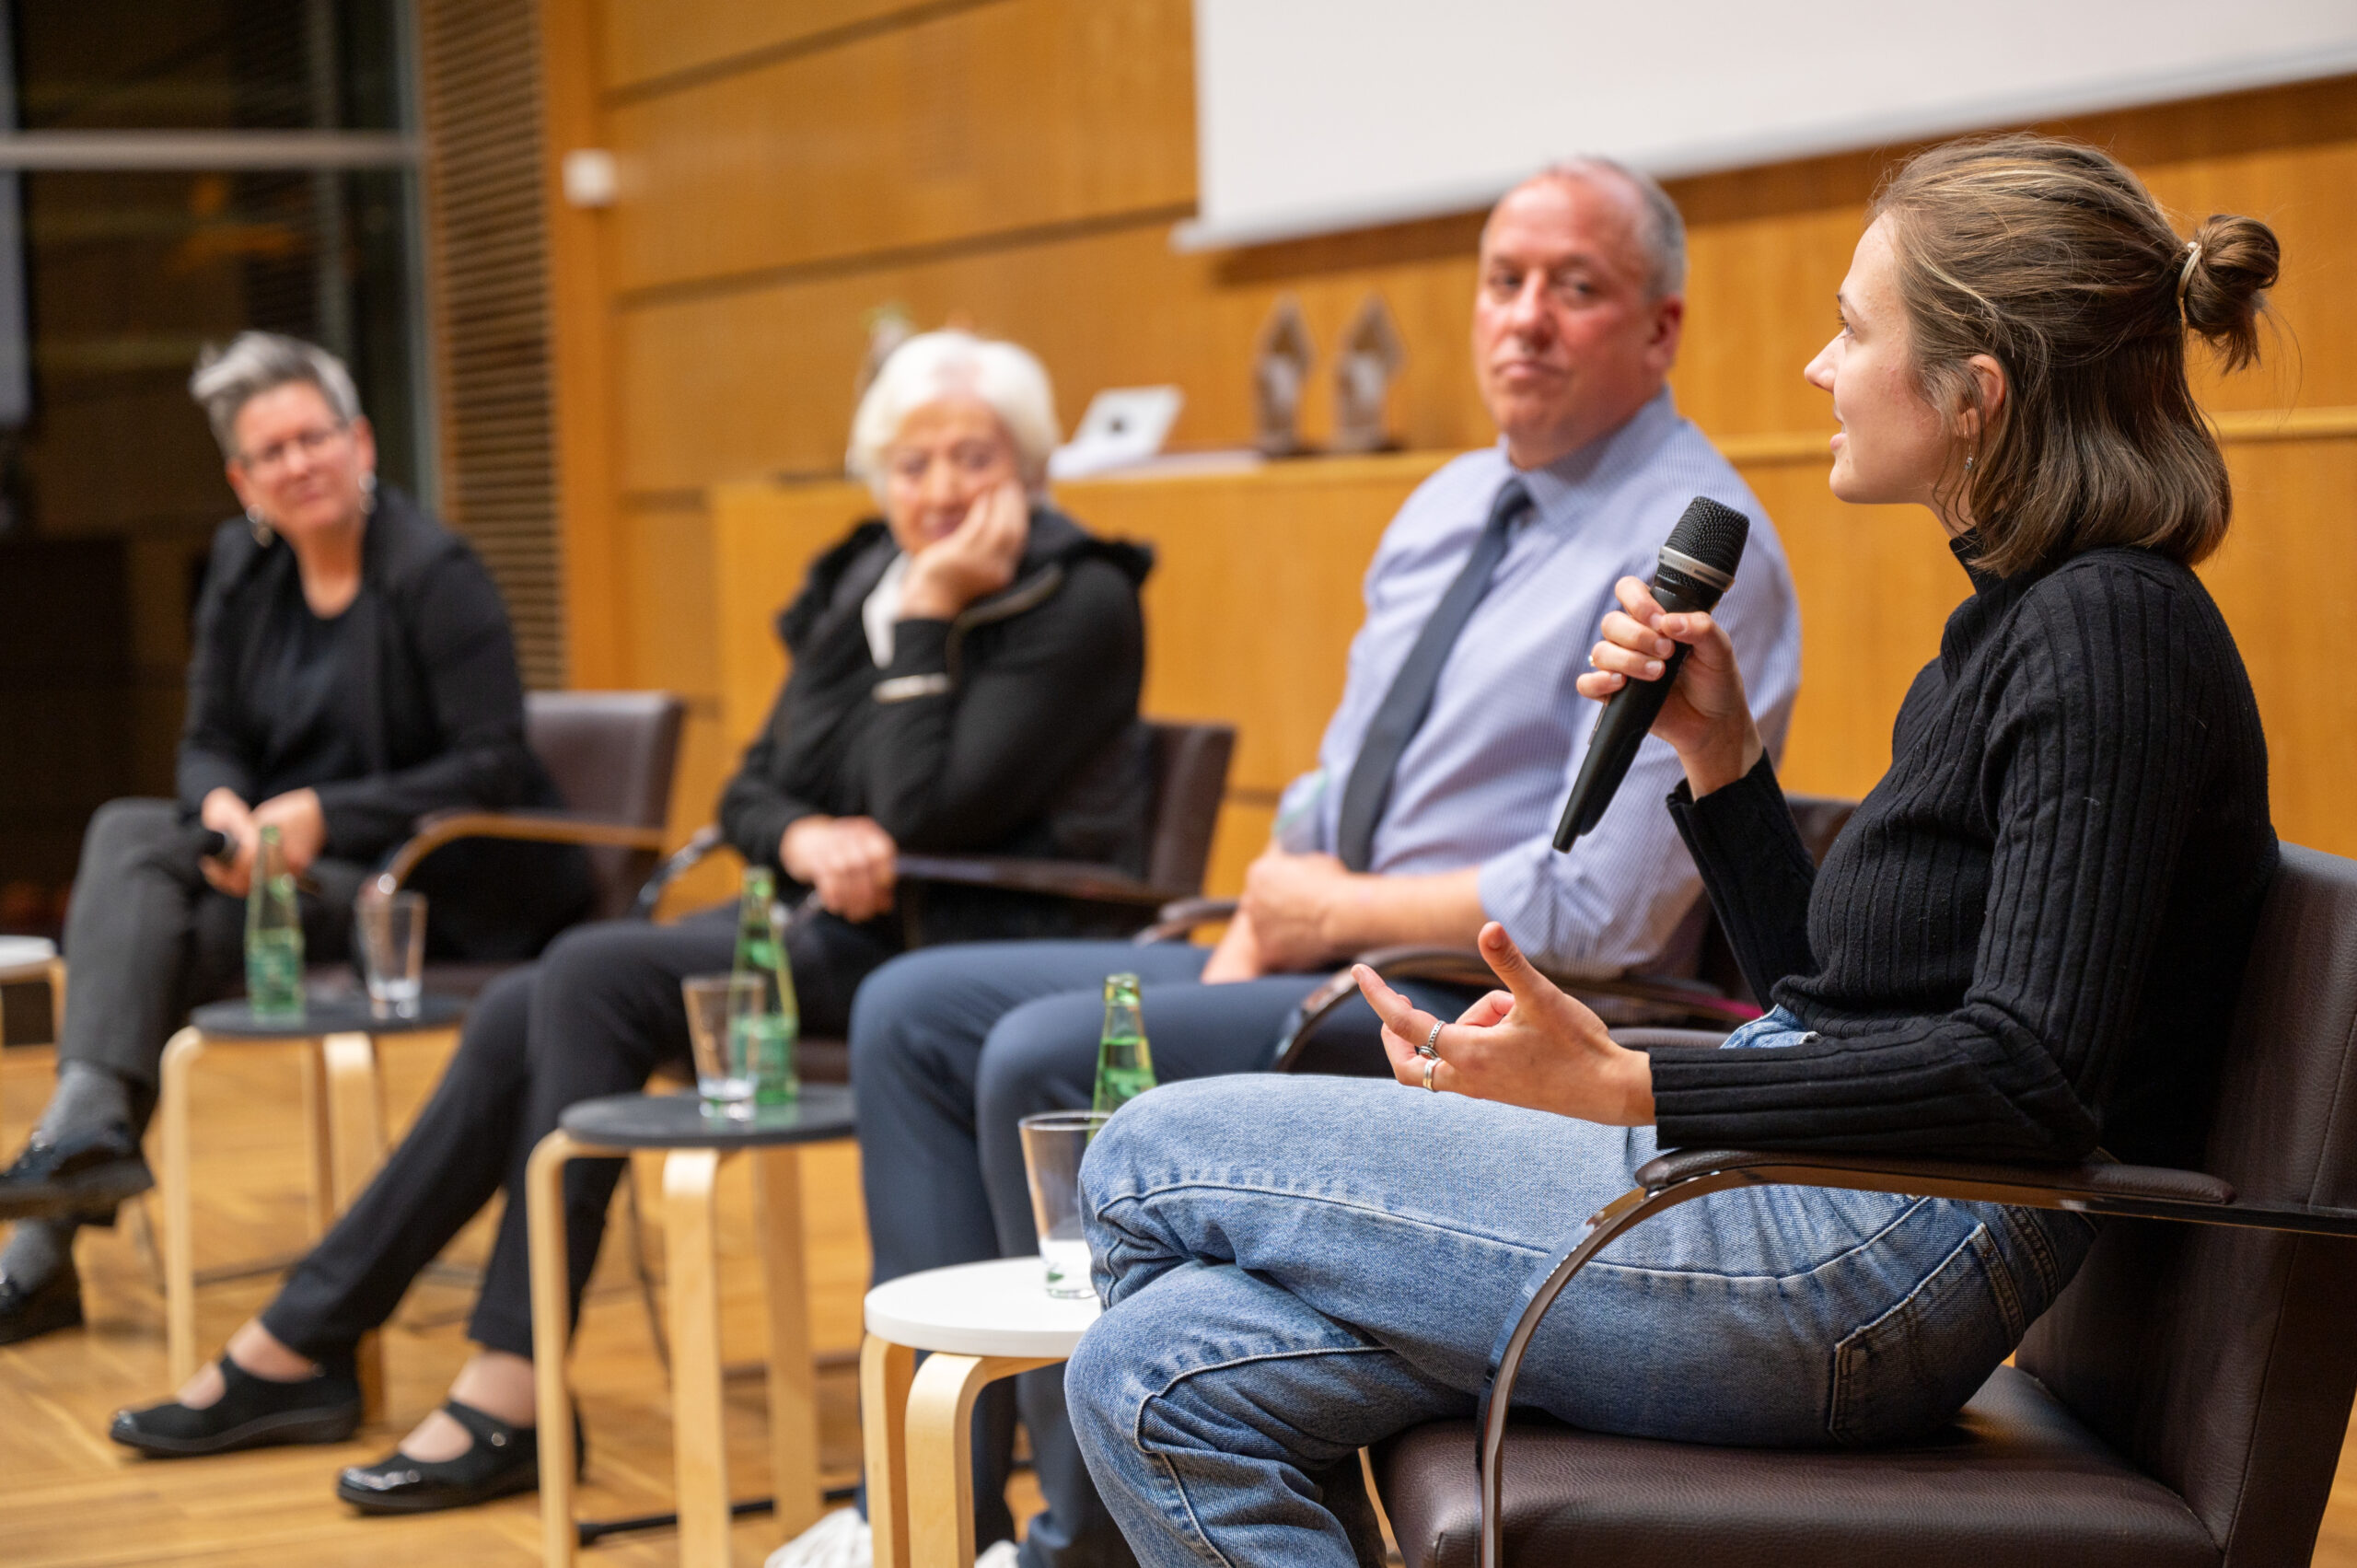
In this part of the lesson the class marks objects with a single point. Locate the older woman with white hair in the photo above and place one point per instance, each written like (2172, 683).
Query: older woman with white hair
(352, 670)
(965, 678)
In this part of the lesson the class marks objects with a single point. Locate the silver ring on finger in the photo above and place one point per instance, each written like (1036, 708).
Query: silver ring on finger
(1430, 1050)
(1431, 1066)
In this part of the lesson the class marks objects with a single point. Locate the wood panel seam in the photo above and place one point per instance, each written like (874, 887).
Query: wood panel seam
(705, 72)
(962, 247)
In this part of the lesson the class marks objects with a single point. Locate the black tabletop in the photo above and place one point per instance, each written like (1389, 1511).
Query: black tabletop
(678, 1121)
(342, 1014)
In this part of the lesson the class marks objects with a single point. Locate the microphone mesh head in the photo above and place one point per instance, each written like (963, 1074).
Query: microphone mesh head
(1712, 534)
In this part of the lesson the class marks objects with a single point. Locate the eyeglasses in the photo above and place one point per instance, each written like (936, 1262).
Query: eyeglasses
(310, 443)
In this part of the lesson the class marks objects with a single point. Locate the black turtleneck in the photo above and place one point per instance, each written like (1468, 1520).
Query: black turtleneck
(2028, 941)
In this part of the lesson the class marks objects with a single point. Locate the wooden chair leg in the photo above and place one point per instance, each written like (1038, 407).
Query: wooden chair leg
(941, 1453)
(180, 1056)
(356, 1116)
(551, 1334)
(699, 1443)
(794, 1381)
(886, 1370)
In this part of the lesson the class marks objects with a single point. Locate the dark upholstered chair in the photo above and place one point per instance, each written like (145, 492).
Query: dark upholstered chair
(1703, 988)
(2183, 1403)
(611, 755)
(1187, 776)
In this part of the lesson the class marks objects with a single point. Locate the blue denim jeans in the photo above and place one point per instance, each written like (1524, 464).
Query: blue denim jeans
(1295, 1268)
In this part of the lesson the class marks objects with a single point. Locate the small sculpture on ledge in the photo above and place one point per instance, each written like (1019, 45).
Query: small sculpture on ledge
(1370, 357)
(1280, 372)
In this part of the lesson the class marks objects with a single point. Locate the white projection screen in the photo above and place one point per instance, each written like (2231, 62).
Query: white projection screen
(1317, 115)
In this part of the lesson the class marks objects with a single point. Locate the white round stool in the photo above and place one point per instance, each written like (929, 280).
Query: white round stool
(31, 958)
(981, 1322)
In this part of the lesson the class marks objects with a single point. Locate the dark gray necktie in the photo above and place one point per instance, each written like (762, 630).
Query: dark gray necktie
(1410, 697)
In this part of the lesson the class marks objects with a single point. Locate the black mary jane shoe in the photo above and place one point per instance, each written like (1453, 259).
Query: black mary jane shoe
(56, 1303)
(504, 1460)
(253, 1412)
(82, 1176)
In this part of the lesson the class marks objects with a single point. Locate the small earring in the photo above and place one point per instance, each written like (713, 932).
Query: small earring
(259, 526)
(1967, 465)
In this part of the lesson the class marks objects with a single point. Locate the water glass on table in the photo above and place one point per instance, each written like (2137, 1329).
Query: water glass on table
(721, 1010)
(1053, 1143)
(392, 950)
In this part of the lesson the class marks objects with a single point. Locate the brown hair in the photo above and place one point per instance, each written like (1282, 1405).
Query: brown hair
(2053, 257)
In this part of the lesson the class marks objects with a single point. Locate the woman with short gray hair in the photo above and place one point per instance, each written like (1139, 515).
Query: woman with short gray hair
(352, 670)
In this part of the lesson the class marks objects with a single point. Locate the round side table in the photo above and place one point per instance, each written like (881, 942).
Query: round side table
(981, 1322)
(344, 1113)
(694, 1145)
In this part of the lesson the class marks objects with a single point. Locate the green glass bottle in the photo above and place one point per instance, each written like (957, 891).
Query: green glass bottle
(1124, 1061)
(768, 1035)
(274, 934)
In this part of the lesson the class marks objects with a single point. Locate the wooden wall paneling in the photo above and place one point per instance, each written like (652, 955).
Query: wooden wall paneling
(485, 165)
(647, 43)
(1017, 116)
(2291, 500)
(755, 382)
(582, 347)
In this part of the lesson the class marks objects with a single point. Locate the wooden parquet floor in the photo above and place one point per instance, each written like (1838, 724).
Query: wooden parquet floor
(71, 1499)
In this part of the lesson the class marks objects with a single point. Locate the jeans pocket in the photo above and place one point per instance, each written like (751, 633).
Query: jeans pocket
(1911, 1369)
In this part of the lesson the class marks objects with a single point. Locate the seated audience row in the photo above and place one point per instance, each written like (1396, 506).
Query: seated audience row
(2027, 942)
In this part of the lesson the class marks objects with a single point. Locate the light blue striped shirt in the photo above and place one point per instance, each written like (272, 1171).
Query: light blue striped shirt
(1484, 778)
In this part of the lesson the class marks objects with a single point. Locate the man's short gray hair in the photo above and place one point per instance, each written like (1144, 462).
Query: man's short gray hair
(227, 380)
(932, 365)
(1663, 234)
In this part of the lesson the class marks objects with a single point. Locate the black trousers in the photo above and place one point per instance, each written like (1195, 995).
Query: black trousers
(148, 939)
(595, 1015)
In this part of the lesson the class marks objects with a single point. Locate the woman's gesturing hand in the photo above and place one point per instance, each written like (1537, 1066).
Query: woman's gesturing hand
(975, 559)
(851, 861)
(225, 814)
(1529, 1045)
(1707, 719)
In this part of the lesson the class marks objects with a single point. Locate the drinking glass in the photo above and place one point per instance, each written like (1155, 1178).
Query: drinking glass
(392, 950)
(1053, 1142)
(720, 1006)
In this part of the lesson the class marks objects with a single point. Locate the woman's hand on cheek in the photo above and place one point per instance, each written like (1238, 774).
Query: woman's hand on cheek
(1529, 1045)
(973, 561)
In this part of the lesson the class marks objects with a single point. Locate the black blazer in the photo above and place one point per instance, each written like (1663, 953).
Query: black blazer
(439, 713)
(1011, 729)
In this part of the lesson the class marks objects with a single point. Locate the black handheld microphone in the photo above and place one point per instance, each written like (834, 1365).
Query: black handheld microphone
(1697, 565)
(211, 844)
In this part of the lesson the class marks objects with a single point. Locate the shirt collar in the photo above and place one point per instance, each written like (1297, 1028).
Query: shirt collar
(1558, 489)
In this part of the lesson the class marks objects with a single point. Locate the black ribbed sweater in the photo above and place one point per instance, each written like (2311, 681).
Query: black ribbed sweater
(2027, 942)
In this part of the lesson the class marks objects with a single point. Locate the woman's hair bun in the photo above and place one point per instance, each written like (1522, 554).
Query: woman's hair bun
(2223, 291)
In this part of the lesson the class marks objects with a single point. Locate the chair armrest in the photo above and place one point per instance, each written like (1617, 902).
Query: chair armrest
(1181, 916)
(1064, 879)
(1682, 1175)
(538, 827)
(700, 843)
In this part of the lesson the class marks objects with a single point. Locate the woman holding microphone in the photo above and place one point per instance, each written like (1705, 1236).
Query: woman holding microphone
(2026, 945)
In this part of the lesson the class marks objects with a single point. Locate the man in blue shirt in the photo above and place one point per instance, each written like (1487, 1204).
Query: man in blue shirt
(1431, 810)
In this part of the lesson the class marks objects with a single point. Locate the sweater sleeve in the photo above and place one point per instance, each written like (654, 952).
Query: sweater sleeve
(460, 630)
(215, 751)
(754, 810)
(1759, 873)
(2097, 750)
(961, 764)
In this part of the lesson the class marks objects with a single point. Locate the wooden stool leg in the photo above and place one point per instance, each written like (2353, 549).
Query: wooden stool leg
(699, 1443)
(551, 1335)
(318, 1134)
(886, 1370)
(180, 1257)
(794, 1381)
(356, 1108)
(941, 1453)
